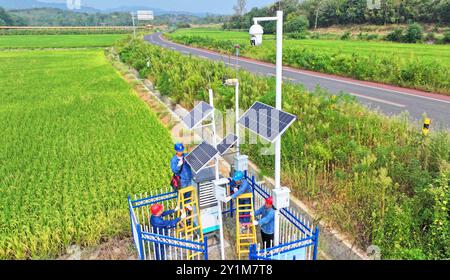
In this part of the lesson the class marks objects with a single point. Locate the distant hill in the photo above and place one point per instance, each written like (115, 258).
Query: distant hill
(31, 4)
(64, 17)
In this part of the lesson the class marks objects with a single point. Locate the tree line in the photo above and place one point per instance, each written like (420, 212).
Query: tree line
(325, 13)
(58, 17)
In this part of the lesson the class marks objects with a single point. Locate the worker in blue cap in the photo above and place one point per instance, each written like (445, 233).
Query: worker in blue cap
(240, 186)
(180, 168)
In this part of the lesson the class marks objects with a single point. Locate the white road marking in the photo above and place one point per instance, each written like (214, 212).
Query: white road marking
(378, 100)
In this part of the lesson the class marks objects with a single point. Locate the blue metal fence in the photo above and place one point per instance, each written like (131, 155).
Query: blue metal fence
(164, 245)
(298, 239)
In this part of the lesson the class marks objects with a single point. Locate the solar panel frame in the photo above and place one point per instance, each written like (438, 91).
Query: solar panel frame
(226, 143)
(200, 156)
(202, 110)
(265, 130)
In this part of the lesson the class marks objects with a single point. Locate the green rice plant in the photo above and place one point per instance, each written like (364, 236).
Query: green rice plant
(58, 41)
(75, 141)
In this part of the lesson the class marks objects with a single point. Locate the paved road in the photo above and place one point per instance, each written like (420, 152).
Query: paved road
(388, 99)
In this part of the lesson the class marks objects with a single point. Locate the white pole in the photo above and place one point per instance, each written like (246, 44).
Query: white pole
(216, 163)
(237, 118)
(134, 26)
(279, 80)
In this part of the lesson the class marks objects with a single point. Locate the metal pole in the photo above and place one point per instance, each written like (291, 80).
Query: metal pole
(279, 81)
(237, 105)
(134, 26)
(237, 119)
(216, 163)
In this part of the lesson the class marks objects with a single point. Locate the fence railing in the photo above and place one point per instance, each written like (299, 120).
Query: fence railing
(164, 244)
(298, 239)
(298, 236)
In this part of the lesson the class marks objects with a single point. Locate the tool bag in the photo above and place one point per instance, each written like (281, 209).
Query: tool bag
(175, 181)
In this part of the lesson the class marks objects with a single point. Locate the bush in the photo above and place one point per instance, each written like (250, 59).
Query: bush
(346, 36)
(395, 36)
(413, 34)
(430, 37)
(446, 38)
(315, 35)
(372, 37)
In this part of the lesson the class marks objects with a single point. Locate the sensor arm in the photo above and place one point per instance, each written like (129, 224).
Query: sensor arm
(256, 19)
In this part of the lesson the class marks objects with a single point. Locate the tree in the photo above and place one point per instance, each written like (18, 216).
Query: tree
(413, 34)
(296, 23)
(239, 8)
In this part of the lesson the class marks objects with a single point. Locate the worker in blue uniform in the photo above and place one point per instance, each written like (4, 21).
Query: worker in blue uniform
(180, 167)
(266, 222)
(161, 226)
(241, 186)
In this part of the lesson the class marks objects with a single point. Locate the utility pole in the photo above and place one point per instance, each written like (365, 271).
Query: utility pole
(217, 175)
(279, 81)
(134, 26)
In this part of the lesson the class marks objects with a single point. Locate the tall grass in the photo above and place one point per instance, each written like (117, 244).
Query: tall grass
(374, 177)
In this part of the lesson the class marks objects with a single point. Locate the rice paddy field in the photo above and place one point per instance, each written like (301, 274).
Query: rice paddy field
(58, 41)
(419, 66)
(75, 140)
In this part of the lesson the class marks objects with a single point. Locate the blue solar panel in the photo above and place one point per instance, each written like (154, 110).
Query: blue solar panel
(197, 115)
(266, 121)
(200, 156)
(226, 143)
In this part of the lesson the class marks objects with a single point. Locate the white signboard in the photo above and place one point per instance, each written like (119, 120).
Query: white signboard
(145, 15)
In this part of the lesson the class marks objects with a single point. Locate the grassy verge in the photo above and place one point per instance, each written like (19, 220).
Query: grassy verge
(419, 66)
(75, 140)
(374, 177)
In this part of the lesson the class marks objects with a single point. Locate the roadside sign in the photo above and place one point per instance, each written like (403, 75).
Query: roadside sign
(145, 15)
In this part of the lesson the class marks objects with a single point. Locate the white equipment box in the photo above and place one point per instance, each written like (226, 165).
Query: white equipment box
(281, 197)
(209, 211)
(220, 189)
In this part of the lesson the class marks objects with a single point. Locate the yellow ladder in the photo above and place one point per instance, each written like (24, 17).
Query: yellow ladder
(245, 231)
(189, 228)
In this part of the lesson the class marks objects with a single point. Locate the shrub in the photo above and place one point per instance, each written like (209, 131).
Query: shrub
(430, 37)
(446, 38)
(413, 34)
(372, 37)
(395, 36)
(346, 36)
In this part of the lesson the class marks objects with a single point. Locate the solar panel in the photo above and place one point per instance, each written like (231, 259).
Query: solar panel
(198, 114)
(226, 143)
(266, 121)
(200, 156)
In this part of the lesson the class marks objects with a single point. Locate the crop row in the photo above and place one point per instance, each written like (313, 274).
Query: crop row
(74, 142)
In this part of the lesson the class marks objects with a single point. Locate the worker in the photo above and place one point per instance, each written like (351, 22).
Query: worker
(266, 222)
(241, 186)
(160, 226)
(180, 167)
